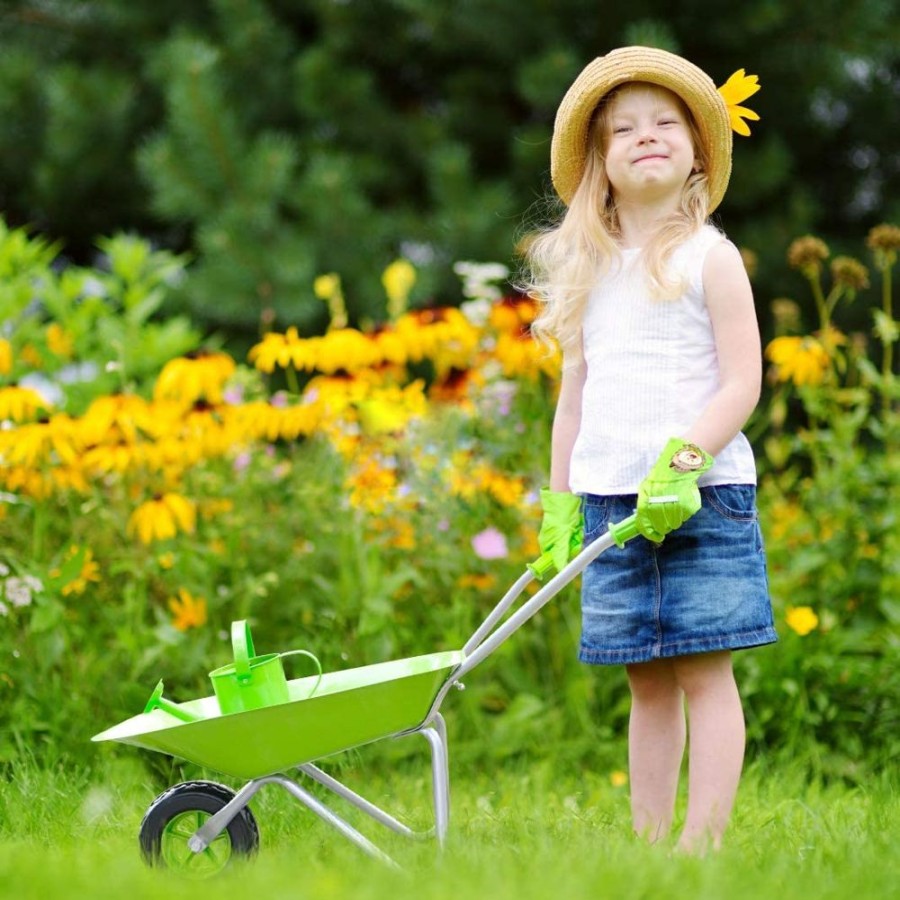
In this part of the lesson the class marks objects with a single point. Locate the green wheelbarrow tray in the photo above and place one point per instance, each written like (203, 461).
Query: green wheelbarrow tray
(348, 708)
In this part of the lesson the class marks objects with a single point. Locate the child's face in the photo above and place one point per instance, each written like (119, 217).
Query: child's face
(648, 149)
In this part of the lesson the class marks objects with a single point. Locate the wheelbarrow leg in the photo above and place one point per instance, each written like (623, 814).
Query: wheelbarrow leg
(436, 735)
(378, 814)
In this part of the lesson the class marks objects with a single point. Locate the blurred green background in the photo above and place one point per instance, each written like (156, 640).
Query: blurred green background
(278, 139)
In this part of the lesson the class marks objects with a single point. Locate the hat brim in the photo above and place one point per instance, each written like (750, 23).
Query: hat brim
(569, 147)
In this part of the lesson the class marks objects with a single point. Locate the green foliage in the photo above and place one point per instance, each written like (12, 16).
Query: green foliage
(831, 497)
(77, 332)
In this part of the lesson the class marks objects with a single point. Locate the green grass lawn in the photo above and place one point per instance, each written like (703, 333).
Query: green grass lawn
(519, 831)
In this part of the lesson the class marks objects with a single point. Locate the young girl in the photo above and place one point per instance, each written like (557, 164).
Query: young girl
(661, 368)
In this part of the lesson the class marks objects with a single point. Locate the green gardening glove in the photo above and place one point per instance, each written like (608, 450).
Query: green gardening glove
(562, 528)
(669, 495)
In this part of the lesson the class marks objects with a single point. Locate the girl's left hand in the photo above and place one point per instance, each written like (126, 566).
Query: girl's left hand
(669, 495)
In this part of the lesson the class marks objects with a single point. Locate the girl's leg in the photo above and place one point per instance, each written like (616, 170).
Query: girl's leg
(716, 723)
(656, 734)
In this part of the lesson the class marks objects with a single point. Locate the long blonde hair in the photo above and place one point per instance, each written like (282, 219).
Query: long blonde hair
(563, 262)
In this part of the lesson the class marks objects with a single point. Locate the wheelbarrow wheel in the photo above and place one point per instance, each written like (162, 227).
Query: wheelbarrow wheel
(177, 813)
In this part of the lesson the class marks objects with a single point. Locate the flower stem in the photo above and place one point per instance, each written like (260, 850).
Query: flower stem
(821, 303)
(887, 362)
(290, 374)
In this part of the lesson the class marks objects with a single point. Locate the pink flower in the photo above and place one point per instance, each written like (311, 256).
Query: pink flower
(490, 544)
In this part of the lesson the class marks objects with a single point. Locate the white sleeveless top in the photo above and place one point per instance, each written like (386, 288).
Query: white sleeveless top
(651, 370)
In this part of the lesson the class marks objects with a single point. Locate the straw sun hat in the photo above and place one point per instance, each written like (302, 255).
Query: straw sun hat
(716, 111)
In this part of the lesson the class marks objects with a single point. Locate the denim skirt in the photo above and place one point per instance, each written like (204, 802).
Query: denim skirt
(704, 588)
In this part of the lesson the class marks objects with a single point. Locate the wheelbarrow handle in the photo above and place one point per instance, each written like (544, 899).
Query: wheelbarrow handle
(490, 635)
(621, 533)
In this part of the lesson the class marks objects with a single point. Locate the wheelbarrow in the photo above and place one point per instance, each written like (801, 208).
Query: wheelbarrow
(197, 827)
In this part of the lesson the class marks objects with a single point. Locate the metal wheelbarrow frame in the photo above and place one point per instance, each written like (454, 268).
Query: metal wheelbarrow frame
(214, 740)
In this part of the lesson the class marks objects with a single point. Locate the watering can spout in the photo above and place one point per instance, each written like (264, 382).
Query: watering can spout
(157, 701)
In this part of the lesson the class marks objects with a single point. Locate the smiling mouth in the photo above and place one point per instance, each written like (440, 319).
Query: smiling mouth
(652, 156)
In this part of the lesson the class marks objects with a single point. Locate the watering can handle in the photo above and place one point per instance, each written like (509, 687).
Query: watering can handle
(315, 659)
(242, 645)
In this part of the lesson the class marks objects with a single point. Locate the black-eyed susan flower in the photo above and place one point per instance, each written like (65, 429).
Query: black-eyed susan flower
(35, 444)
(512, 314)
(117, 417)
(188, 611)
(162, 518)
(20, 403)
(6, 357)
(348, 350)
(283, 350)
(444, 336)
(197, 376)
(520, 356)
(801, 360)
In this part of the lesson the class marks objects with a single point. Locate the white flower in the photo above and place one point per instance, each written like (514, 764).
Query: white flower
(477, 278)
(476, 311)
(19, 590)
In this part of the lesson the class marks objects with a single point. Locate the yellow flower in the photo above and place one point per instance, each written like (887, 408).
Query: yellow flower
(34, 443)
(162, 517)
(166, 560)
(802, 360)
(328, 288)
(520, 355)
(194, 377)
(19, 403)
(283, 350)
(90, 571)
(618, 779)
(477, 582)
(347, 349)
(31, 357)
(58, 341)
(398, 280)
(445, 336)
(188, 611)
(117, 417)
(801, 619)
(6, 356)
(738, 88)
(371, 486)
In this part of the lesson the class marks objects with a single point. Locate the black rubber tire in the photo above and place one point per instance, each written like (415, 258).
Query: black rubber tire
(177, 812)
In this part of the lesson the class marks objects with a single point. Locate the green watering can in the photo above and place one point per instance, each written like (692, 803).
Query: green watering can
(252, 681)
(157, 701)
